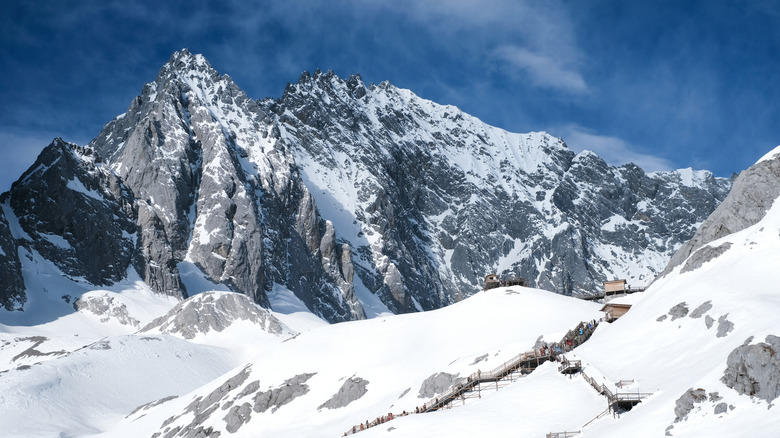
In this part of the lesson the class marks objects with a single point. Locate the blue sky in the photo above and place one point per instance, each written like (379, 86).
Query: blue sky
(663, 84)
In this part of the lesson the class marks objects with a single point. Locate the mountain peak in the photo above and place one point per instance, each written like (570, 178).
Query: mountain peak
(344, 195)
(191, 69)
(184, 60)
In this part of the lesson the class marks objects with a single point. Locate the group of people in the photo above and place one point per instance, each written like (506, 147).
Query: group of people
(572, 339)
(379, 420)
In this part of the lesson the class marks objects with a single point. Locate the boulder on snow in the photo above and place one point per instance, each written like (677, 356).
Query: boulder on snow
(688, 401)
(437, 384)
(685, 404)
(754, 370)
(724, 326)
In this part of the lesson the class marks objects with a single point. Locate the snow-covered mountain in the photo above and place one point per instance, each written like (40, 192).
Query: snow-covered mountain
(357, 199)
(698, 346)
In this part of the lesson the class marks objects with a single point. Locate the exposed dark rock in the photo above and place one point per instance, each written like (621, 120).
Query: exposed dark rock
(32, 351)
(237, 417)
(151, 404)
(479, 359)
(106, 308)
(12, 296)
(76, 213)
(203, 407)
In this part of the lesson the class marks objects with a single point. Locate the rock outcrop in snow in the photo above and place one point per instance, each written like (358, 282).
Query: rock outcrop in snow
(755, 369)
(352, 389)
(214, 311)
(106, 307)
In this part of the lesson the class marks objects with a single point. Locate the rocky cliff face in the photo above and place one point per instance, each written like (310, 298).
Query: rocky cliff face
(12, 295)
(432, 199)
(755, 191)
(352, 196)
(75, 213)
(217, 188)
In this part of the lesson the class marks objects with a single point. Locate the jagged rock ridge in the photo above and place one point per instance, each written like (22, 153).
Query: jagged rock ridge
(352, 196)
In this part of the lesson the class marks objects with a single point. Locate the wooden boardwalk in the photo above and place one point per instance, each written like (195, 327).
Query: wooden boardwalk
(519, 366)
(505, 374)
(508, 372)
(605, 295)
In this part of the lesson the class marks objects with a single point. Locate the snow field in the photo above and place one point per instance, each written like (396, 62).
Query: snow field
(392, 354)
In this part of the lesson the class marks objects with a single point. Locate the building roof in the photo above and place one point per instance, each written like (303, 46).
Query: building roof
(611, 304)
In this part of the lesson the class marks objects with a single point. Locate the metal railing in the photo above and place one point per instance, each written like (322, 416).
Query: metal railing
(479, 377)
(562, 434)
(531, 360)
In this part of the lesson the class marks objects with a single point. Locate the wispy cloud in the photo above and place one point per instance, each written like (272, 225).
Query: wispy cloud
(613, 150)
(543, 71)
(529, 40)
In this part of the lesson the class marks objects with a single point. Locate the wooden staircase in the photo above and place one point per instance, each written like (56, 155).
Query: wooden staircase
(505, 374)
(508, 372)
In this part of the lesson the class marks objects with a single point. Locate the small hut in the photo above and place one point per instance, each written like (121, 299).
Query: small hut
(515, 281)
(614, 310)
(492, 281)
(614, 287)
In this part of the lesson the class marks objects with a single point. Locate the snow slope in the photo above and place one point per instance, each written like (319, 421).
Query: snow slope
(84, 371)
(674, 344)
(677, 336)
(394, 355)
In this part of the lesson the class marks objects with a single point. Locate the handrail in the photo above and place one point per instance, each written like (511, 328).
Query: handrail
(562, 434)
(601, 415)
(567, 364)
(551, 351)
(479, 377)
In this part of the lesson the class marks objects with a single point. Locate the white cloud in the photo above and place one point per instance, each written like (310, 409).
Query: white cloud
(613, 150)
(535, 40)
(543, 71)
